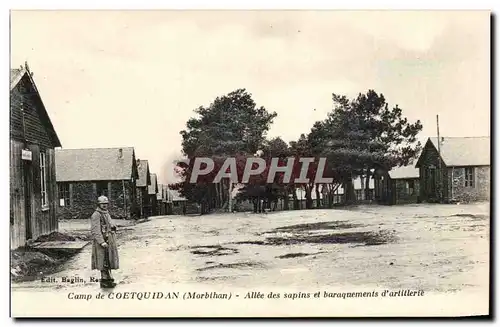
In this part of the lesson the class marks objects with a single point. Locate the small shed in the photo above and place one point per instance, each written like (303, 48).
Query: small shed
(398, 186)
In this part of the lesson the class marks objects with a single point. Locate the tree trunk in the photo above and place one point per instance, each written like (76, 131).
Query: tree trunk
(318, 197)
(349, 194)
(230, 196)
(295, 201)
(362, 179)
(308, 190)
(286, 199)
(367, 188)
(217, 195)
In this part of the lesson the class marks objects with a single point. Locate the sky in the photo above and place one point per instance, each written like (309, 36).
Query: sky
(133, 78)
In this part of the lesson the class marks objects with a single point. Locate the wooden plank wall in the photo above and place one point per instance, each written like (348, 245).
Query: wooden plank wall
(36, 208)
(52, 189)
(17, 226)
(43, 220)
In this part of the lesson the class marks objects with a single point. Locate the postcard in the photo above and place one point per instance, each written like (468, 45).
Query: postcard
(250, 163)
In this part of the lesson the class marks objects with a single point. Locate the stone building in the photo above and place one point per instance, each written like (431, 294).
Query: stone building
(455, 170)
(85, 174)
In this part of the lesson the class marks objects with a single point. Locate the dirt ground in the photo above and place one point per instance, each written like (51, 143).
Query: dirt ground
(439, 248)
(30, 264)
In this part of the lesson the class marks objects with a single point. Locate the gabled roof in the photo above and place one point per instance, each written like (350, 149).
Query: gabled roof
(165, 193)
(95, 164)
(153, 187)
(463, 151)
(144, 174)
(16, 75)
(159, 194)
(403, 172)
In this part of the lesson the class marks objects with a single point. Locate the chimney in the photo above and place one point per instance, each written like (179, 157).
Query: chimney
(120, 153)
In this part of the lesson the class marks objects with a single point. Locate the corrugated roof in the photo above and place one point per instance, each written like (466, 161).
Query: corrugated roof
(404, 172)
(153, 187)
(96, 164)
(464, 151)
(143, 170)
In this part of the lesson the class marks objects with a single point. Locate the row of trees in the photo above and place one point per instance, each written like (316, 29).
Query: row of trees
(357, 137)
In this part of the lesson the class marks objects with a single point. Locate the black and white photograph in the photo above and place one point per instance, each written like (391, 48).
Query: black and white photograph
(250, 163)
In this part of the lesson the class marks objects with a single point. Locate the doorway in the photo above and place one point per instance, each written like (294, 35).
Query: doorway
(28, 198)
(432, 183)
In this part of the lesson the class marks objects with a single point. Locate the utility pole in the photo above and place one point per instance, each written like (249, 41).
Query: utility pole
(440, 180)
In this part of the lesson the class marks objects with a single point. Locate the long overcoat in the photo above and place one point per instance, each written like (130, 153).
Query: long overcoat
(102, 229)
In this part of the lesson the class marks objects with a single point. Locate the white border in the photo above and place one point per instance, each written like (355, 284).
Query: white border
(186, 4)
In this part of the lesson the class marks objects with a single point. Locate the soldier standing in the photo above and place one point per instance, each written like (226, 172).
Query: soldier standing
(104, 249)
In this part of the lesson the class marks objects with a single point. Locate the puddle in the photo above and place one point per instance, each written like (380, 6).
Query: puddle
(233, 265)
(368, 238)
(214, 278)
(475, 217)
(297, 255)
(324, 225)
(250, 242)
(213, 250)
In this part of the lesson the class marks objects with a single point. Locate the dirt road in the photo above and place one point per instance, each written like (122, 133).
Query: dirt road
(432, 247)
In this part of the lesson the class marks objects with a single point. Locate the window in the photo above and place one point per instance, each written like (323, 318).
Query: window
(176, 204)
(43, 180)
(411, 187)
(469, 176)
(102, 189)
(64, 198)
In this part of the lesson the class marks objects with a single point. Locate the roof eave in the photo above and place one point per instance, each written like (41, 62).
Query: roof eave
(16, 81)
